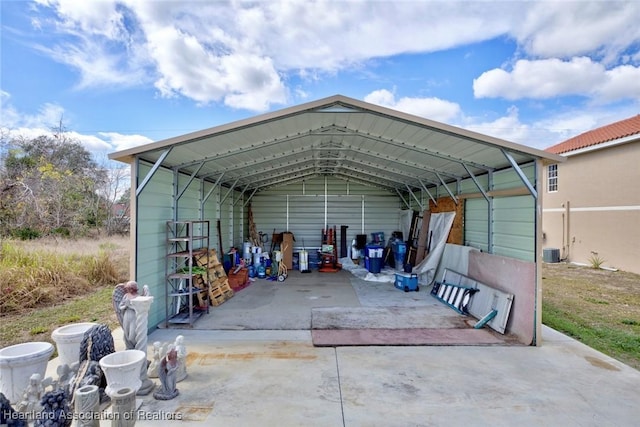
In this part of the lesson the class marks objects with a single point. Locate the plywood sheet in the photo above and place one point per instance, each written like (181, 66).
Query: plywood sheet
(515, 277)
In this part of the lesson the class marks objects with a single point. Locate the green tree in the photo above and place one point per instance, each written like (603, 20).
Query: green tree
(49, 185)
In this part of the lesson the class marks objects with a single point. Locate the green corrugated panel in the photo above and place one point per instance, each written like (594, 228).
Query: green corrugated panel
(508, 178)
(154, 208)
(475, 224)
(514, 227)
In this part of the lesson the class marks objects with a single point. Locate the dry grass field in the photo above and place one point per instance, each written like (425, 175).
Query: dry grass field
(48, 283)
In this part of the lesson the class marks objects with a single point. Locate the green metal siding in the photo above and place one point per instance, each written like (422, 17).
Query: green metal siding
(508, 179)
(306, 210)
(476, 224)
(514, 227)
(154, 209)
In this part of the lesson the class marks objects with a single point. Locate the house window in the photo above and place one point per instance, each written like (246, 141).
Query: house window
(552, 178)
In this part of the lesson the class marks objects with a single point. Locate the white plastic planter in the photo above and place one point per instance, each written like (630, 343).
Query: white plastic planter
(68, 340)
(122, 370)
(17, 364)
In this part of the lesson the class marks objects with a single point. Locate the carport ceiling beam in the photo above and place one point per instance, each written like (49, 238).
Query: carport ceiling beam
(229, 192)
(424, 187)
(475, 181)
(285, 172)
(520, 173)
(401, 162)
(153, 170)
(351, 178)
(446, 187)
(250, 197)
(403, 199)
(416, 148)
(243, 191)
(393, 183)
(285, 180)
(389, 169)
(213, 188)
(414, 197)
(268, 180)
(253, 146)
(191, 178)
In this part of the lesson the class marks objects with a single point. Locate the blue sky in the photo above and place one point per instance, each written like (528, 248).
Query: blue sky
(124, 73)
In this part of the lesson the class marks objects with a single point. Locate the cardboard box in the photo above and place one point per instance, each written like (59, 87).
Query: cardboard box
(287, 249)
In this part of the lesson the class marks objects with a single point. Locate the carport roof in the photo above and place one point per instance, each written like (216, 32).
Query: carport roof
(338, 136)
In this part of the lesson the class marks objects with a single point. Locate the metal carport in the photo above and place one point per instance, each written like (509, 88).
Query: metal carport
(324, 150)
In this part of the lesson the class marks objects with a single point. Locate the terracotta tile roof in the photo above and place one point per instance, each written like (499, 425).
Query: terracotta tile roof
(621, 129)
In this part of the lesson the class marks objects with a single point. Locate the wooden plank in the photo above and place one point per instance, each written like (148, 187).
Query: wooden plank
(423, 237)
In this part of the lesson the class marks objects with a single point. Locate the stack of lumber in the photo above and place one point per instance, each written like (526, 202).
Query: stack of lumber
(219, 288)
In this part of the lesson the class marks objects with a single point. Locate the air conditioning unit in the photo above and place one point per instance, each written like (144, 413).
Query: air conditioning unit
(551, 255)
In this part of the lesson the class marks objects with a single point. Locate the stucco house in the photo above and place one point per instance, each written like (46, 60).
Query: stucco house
(591, 202)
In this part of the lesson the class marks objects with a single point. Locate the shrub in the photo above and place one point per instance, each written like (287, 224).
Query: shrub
(25, 233)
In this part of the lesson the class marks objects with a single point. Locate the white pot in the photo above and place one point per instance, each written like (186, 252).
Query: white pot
(17, 364)
(68, 340)
(122, 370)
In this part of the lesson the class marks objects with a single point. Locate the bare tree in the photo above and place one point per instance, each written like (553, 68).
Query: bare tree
(112, 191)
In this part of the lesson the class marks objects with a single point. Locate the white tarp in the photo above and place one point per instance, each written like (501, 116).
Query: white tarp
(439, 227)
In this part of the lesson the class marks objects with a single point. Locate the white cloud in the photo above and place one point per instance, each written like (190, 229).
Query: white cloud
(242, 54)
(575, 28)
(547, 131)
(17, 124)
(548, 78)
(508, 127)
(119, 142)
(431, 108)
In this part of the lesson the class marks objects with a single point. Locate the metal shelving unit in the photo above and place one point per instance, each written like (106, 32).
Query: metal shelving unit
(186, 241)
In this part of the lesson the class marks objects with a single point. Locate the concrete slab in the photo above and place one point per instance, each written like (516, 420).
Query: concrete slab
(560, 383)
(267, 305)
(262, 377)
(277, 378)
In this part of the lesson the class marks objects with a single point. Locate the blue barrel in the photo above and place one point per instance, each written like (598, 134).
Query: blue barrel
(375, 265)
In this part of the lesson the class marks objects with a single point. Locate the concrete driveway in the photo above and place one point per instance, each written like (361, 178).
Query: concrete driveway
(252, 362)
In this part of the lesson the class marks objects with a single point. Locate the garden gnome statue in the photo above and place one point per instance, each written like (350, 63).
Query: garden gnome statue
(132, 309)
(181, 352)
(158, 353)
(32, 395)
(167, 374)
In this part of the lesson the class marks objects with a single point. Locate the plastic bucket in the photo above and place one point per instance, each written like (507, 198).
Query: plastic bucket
(304, 261)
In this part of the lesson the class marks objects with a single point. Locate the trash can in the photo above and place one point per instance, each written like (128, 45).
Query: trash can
(373, 260)
(399, 251)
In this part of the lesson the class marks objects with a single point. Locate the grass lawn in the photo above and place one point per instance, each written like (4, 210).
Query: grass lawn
(599, 308)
